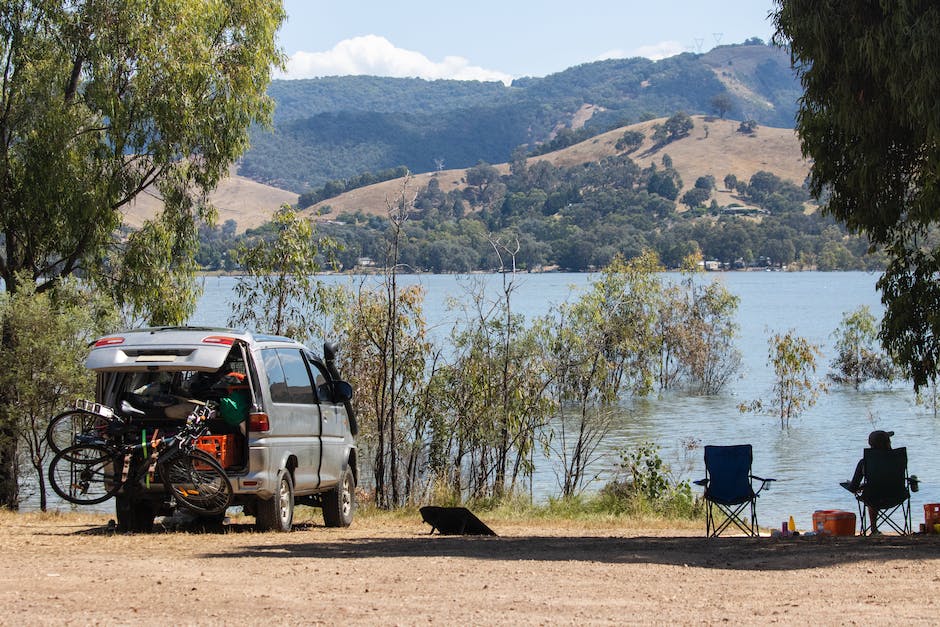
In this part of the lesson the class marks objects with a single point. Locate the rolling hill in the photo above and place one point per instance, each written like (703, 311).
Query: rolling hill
(338, 127)
(723, 151)
(249, 203)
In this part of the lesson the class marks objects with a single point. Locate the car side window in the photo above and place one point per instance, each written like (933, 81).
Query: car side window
(323, 387)
(277, 382)
(299, 387)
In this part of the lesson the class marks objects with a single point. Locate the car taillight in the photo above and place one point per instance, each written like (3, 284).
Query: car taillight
(258, 422)
(108, 341)
(221, 340)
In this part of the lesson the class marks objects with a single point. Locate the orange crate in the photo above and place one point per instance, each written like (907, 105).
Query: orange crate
(931, 516)
(835, 522)
(222, 447)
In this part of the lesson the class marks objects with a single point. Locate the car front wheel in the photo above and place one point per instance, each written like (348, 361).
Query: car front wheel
(277, 513)
(339, 504)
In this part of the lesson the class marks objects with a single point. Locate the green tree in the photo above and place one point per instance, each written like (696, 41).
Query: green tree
(630, 141)
(695, 197)
(279, 292)
(385, 351)
(869, 121)
(103, 100)
(706, 182)
(706, 332)
(676, 127)
(731, 181)
(793, 359)
(722, 104)
(44, 368)
(858, 359)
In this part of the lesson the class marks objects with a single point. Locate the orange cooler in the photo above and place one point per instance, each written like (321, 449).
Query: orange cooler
(835, 522)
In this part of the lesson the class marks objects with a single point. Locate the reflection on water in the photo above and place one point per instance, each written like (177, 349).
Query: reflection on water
(809, 460)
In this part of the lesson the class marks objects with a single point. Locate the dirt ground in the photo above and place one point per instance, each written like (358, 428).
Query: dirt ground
(71, 569)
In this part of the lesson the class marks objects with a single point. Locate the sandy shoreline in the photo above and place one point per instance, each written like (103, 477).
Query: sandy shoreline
(71, 569)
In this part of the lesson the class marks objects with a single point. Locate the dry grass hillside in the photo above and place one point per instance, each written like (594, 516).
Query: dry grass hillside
(718, 152)
(249, 203)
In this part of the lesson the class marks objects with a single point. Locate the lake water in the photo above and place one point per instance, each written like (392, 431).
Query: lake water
(820, 448)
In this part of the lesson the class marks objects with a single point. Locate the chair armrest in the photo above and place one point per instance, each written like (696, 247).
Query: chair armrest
(764, 483)
(701, 482)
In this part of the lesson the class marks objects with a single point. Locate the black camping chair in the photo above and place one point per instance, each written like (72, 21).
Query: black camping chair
(454, 521)
(885, 490)
(729, 489)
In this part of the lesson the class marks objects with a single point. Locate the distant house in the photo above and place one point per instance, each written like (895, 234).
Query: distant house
(365, 262)
(712, 265)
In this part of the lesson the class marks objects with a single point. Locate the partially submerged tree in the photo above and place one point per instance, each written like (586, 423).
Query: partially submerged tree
(794, 362)
(858, 359)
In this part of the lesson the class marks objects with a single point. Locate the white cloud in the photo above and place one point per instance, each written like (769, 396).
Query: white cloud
(655, 52)
(662, 50)
(376, 56)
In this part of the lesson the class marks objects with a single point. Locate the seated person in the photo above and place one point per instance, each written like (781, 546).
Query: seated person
(876, 440)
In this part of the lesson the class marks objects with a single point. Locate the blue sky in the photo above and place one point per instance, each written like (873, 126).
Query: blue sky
(501, 40)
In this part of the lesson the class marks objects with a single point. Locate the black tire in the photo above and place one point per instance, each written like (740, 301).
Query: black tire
(277, 513)
(85, 474)
(62, 430)
(198, 482)
(134, 514)
(339, 504)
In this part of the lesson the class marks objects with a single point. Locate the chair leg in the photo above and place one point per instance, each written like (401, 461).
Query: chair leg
(863, 519)
(884, 517)
(736, 515)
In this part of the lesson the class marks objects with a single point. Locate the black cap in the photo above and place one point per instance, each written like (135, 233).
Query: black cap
(880, 439)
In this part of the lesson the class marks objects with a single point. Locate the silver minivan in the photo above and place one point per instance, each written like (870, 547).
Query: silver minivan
(284, 427)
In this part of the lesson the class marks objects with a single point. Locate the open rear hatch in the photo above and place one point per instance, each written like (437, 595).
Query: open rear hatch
(163, 350)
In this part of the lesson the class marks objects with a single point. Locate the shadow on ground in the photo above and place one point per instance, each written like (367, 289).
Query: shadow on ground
(737, 553)
(720, 553)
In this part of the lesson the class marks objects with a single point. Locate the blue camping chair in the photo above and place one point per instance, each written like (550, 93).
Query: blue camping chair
(885, 490)
(729, 489)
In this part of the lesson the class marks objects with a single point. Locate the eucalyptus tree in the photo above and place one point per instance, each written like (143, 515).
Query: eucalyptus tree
(103, 101)
(496, 392)
(869, 120)
(279, 291)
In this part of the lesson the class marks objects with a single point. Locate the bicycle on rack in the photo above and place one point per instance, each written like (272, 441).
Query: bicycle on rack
(86, 421)
(95, 468)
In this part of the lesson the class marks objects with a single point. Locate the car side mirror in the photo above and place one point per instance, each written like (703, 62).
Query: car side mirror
(343, 391)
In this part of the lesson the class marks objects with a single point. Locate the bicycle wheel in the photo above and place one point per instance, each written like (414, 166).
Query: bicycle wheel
(63, 429)
(85, 473)
(197, 481)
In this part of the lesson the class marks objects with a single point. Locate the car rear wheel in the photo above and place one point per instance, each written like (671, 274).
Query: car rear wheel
(277, 513)
(339, 504)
